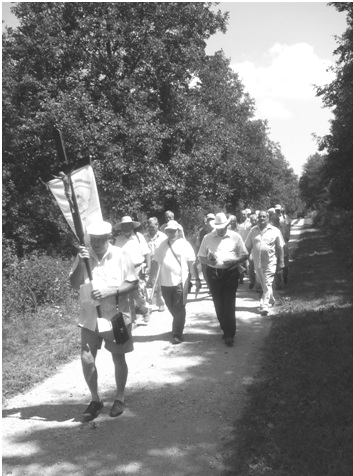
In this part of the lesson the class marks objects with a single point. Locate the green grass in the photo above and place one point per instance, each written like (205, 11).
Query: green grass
(36, 344)
(298, 418)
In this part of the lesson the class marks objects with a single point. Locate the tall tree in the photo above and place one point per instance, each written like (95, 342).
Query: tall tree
(312, 183)
(130, 85)
(339, 96)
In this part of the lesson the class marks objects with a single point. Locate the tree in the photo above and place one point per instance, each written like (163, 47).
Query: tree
(338, 95)
(312, 184)
(119, 80)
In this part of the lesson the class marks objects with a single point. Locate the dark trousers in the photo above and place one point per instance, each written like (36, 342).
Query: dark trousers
(223, 284)
(173, 297)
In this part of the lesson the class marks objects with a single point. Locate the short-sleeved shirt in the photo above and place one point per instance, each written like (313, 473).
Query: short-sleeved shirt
(228, 247)
(244, 228)
(263, 245)
(154, 241)
(112, 270)
(171, 272)
(135, 246)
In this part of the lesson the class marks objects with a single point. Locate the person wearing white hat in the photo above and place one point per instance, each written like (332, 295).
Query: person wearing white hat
(135, 245)
(113, 276)
(169, 215)
(173, 262)
(222, 251)
(265, 242)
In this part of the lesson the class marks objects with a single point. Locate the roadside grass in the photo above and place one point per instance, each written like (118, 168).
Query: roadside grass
(35, 344)
(298, 419)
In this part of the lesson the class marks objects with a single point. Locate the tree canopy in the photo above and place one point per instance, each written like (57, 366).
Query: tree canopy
(338, 95)
(130, 86)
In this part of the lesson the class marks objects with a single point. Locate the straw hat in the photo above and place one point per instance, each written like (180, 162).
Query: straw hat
(220, 221)
(126, 219)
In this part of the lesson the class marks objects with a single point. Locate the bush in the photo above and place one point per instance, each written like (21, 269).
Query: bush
(33, 281)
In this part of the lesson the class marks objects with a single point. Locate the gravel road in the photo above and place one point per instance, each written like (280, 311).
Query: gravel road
(181, 402)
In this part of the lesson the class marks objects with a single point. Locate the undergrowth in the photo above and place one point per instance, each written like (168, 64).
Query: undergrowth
(39, 327)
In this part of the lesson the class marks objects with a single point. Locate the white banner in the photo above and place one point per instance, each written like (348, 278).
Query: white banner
(85, 188)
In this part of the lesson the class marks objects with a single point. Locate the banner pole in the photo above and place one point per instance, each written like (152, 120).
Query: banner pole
(71, 198)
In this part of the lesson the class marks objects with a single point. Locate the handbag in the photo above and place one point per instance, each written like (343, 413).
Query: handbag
(190, 284)
(114, 330)
(120, 332)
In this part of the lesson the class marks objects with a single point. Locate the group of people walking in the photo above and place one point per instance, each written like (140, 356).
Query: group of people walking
(130, 268)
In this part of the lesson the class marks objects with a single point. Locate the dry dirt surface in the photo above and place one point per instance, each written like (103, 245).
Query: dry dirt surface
(182, 402)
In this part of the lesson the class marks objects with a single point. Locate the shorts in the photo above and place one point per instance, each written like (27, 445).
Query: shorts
(94, 340)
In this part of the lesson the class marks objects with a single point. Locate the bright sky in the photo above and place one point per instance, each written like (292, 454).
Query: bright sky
(280, 50)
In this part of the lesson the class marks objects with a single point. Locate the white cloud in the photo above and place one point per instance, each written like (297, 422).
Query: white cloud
(290, 73)
(267, 108)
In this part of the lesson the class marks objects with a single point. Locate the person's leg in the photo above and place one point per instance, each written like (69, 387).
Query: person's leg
(269, 278)
(229, 286)
(215, 287)
(90, 343)
(159, 298)
(173, 297)
(262, 281)
(132, 308)
(252, 275)
(178, 312)
(121, 373)
(141, 303)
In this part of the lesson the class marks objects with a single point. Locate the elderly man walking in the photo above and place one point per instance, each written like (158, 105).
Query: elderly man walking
(135, 245)
(113, 277)
(173, 263)
(154, 238)
(265, 243)
(222, 251)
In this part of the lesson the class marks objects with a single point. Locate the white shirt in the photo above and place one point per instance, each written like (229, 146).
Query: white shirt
(112, 270)
(227, 247)
(263, 245)
(171, 272)
(135, 246)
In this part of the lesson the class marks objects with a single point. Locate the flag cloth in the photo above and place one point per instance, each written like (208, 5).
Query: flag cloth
(85, 188)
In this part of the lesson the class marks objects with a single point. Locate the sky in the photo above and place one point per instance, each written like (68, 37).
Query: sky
(280, 50)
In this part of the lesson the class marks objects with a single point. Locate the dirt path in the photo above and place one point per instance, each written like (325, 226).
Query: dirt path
(181, 402)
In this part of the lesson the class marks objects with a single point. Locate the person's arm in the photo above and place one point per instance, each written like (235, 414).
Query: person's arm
(238, 260)
(153, 274)
(194, 272)
(148, 263)
(279, 243)
(77, 276)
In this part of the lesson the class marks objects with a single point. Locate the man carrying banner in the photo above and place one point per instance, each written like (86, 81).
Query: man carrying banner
(113, 276)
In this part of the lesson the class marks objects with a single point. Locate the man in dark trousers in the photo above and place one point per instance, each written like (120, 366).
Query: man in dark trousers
(222, 251)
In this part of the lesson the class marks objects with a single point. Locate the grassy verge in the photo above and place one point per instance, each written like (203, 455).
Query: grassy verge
(36, 344)
(299, 414)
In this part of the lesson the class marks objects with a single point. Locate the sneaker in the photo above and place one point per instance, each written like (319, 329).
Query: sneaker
(229, 341)
(264, 313)
(147, 315)
(117, 408)
(176, 340)
(92, 411)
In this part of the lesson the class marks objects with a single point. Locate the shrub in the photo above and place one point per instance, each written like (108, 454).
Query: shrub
(33, 281)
